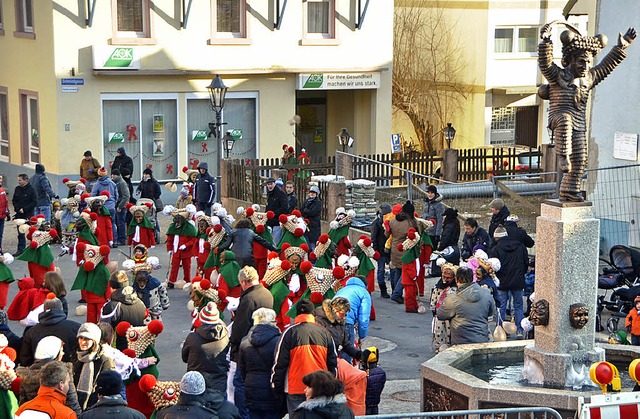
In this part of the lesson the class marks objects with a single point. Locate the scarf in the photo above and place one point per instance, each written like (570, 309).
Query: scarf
(131, 228)
(187, 229)
(85, 382)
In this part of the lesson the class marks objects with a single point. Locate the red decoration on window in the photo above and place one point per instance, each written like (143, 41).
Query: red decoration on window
(131, 129)
(204, 147)
(193, 162)
(169, 169)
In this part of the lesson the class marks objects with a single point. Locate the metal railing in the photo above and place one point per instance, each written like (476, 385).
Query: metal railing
(515, 412)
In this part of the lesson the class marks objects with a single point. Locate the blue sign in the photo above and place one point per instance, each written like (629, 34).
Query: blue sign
(396, 144)
(72, 82)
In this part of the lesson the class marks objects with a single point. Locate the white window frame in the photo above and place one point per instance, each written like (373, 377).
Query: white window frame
(314, 36)
(241, 37)
(140, 97)
(133, 37)
(4, 141)
(26, 131)
(24, 8)
(514, 41)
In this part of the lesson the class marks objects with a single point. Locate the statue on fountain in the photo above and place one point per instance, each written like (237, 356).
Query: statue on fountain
(568, 93)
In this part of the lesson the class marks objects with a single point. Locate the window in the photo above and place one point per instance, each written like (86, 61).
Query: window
(516, 40)
(4, 124)
(229, 21)
(24, 18)
(319, 18)
(131, 20)
(1, 20)
(30, 127)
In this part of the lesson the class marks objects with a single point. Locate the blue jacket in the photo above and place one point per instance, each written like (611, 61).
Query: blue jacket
(42, 186)
(106, 184)
(360, 300)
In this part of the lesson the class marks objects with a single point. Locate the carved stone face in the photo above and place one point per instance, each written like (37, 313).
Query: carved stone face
(178, 221)
(578, 315)
(581, 63)
(539, 314)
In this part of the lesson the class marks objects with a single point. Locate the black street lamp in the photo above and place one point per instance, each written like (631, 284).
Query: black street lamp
(449, 134)
(228, 142)
(344, 139)
(217, 92)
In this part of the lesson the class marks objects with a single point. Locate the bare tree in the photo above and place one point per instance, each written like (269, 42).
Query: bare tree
(428, 66)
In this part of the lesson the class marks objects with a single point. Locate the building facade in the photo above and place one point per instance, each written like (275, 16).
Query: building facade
(133, 73)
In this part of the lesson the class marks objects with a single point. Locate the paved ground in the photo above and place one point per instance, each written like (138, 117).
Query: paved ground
(404, 339)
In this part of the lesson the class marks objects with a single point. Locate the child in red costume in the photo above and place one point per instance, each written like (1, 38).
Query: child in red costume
(104, 230)
(339, 233)
(202, 248)
(93, 278)
(181, 238)
(140, 229)
(410, 269)
(38, 254)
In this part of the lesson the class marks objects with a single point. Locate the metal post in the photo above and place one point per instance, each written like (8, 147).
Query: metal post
(336, 162)
(219, 139)
(494, 181)
(409, 186)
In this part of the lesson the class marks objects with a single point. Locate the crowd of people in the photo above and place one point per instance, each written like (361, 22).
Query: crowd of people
(279, 309)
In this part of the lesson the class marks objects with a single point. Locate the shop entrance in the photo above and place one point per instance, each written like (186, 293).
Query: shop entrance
(311, 133)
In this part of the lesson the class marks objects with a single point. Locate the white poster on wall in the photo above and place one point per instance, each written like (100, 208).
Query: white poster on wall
(625, 146)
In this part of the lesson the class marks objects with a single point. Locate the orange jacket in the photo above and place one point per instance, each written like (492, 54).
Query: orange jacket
(355, 386)
(49, 400)
(633, 320)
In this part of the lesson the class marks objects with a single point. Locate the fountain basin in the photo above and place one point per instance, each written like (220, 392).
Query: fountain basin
(445, 385)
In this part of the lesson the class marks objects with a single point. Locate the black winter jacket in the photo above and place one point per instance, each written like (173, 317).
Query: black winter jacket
(518, 233)
(378, 238)
(123, 162)
(480, 236)
(276, 202)
(311, 209)
(210, 405)
(514, 259)
(149, 189)
(324, 408)
(25, 199)
(240, 240)
(123, 307)
(496, 220)
(255, 359)
(205, 350)
(111, 406)
(326, 319)
(252, 299)
(52, 322)
(205, 188)
(450, 234)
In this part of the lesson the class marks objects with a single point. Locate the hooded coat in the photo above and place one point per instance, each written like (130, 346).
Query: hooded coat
(496, 220)
(42, 186)
(205, 350)
(434, 209)
(324, 407)
(252, 299)
(52, 322)
(204, 190)
(378, 239)
(469, 310)
(240, 241)
(106, 184)
(123, 307)
(360, 300)
(514, 261)
(311, 209)
(122, 162)
(255, 359)
(326, 318)
(276, 202)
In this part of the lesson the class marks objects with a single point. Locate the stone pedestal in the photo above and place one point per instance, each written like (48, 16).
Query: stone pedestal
(449, 164)
(566, 274)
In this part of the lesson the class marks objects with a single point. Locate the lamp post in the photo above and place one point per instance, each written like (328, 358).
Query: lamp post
(449, 134)
(228, 142)
(217, 92)
(344, 139)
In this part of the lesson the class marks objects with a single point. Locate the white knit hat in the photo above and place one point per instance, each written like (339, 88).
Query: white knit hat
(48, 348)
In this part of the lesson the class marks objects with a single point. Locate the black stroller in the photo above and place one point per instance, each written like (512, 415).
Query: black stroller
(621, 276)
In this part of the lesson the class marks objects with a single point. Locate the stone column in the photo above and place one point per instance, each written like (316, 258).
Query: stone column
(344, 164)
(336, 191)
(449, 164)
(566, 274)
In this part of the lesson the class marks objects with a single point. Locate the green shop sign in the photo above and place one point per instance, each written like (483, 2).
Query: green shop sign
(199, 135)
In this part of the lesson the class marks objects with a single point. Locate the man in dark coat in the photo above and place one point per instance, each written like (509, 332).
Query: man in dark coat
(110, 402)
(205, 349)
(44, 192)
(473, 235)
(514, 261)
(52, 322)
(121, 207)
(332, 316)
(204, 191)
(241, 240)
(276, 202)
(254, 296)
(517, 232)
(122, 161)
(311, 210)
(123, 306)
(378, 240)
(24, 203)
(499, 212)
(196, 401)
(255, 360)
(292, 199)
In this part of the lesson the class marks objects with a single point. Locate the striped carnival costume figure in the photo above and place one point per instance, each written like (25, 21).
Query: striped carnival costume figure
(140, 230)
(104, 226)
(93, 278)
(259, 221)
(202, 248)
(216, 235)
(275, 280)
(339, 232)
(181, 238)
(38, 254)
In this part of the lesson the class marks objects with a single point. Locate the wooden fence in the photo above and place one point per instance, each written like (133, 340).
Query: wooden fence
(479, 163)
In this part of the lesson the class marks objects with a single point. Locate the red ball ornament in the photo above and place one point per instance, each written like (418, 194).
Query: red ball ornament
(260, 229)
(128, 206)
(105, 193)
(376, 255)
(367, 242)
(205, 284)
(33, 245)
(147, 382)
(285, 265)
(96, 232)
(411, 235)
(83, 181)
(104, 250)
(285, 246)
(84, 196)
(400, 247)
(249, 212)
(10, 352)
(312, 256)
(298, 232)
(129, 352)
(306, 266)
(122, 327)
(304, 247)
(272, 255)
(324, 238)
(270, 214)
(222, 294)
(283, 218)
(81, 247)
(88, 266)
(93, 216)
(65, 180)
(217, 228)
(148, 204)
(296, 213)
(155, 327)
(316, 298)
(338, 272)
(53, 233)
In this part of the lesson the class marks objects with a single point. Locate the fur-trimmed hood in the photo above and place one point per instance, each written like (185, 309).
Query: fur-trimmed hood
(322, 402)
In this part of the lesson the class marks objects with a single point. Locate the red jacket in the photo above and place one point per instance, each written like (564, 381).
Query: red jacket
(188, 241)
(201, 250)
(105, 230)
(147, 238)
(4, 204)
(50, 401)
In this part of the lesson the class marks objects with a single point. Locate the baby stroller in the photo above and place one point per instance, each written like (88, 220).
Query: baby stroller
(620, 275)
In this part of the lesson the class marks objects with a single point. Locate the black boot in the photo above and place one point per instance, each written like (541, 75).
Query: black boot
(383, 290)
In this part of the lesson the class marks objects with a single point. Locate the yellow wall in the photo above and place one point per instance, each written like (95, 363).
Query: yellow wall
(28, 64)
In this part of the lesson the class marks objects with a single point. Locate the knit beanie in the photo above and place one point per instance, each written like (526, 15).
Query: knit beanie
(48, 348)
(408, 208)
(500, 232)
(109, 383)
(209, 314)
(497, 204)
(90, 331)
(432, 188)
(39, 168)
(102, 172)
(192, 383)
(147, 171)
(305, 307)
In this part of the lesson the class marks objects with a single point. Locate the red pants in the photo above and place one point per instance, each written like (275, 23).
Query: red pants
(4, 292)
(175, 266)
(410, 297)
(94, 305)
(37, 272)
(371, 286)
(261, 267)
